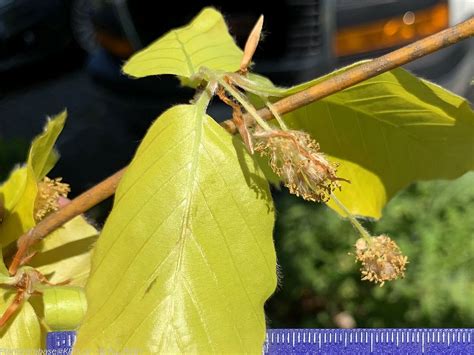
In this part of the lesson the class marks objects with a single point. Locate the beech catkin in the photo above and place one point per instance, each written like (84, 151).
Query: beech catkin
(382, 259)
(295, 157)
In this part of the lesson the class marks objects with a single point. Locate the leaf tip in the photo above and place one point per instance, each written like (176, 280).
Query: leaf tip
(58, 119)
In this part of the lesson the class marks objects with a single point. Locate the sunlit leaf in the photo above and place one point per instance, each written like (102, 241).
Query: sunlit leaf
(186, 259)
(387, 132)
(65, 254)
(64, 307)
(18, 193)
(42, 156)
(204, 42)
(22, 332)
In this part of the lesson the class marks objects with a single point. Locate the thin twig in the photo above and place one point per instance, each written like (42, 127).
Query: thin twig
(337, 83)
(365, 71)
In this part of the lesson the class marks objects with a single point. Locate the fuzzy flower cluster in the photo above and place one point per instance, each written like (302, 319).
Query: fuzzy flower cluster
(295, 157)
(47, 199)
(381, 259)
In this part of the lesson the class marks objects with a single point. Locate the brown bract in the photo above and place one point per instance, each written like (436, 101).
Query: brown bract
(295, 157)
(251, 45)
(382, 259)
(237, 118)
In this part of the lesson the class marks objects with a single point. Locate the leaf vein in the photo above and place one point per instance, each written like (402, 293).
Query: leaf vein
(161, 187)
(230, 193)
(224, 239)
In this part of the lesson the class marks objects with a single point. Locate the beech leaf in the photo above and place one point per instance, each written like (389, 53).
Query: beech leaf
(186, 259)
(65, 253)
(386, 133)
(204, 42)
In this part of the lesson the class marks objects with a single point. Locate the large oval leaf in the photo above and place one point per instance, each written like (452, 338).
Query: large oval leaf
(388, 132)
(186, 259)
(204, 42)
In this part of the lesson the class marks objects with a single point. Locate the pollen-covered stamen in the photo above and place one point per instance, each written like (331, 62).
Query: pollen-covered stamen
(47, 199)
(381, 258)
(295, 157)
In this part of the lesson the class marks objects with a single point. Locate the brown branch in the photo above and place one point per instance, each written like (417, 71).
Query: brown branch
(366, 71)
(337, 83)
(79, 205)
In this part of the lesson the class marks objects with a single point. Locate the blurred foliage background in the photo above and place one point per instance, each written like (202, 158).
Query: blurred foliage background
(432, 222)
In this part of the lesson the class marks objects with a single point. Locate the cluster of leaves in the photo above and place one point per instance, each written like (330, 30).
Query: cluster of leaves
(63, 255)
(434, 225)
(201, 286)
(186, 259)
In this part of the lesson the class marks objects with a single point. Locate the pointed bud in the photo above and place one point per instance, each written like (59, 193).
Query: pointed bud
(251, 44)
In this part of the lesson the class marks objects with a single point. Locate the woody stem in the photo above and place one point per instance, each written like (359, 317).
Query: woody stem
(368, 70)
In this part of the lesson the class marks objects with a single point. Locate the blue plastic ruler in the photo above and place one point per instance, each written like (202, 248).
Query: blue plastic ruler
(369, 341)
(340, 341)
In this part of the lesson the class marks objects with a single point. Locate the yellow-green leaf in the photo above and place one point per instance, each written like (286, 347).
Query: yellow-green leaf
(22, 332)
(64, 307)
(42, 156)
(65, 254)
(18, 193)
(204, 42)
(186, 260)
(388, 132)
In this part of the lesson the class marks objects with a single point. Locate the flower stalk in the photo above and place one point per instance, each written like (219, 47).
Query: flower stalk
(381, 258)
(276, 115)
(355, 223)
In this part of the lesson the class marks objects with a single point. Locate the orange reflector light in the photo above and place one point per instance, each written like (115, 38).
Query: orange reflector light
(114, 44)
(392, 32)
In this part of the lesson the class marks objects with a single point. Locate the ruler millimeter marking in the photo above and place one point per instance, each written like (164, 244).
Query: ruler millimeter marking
(336, 341)
(369, 341)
